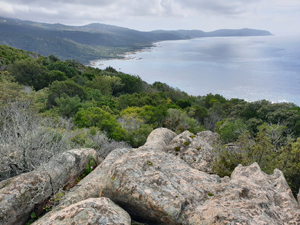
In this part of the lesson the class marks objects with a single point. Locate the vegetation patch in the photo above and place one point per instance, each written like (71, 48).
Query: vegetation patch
(149, 163)
(76, 106)
(210, 194)
(186, 143)
(177, 149)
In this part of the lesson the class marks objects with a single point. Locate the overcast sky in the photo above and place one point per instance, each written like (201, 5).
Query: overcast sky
(277, 16)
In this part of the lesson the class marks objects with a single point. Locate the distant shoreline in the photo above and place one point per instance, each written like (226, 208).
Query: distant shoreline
(122, 56)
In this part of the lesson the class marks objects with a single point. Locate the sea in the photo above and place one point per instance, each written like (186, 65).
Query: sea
(250, 68)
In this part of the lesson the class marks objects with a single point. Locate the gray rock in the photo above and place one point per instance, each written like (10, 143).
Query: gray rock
(89, 187)
(193, 149)
(19, 195)
(93, 211)
(159, 188)
(65, 168)
(156, 187)
(208, 136)
(249, 197)
(159, 139)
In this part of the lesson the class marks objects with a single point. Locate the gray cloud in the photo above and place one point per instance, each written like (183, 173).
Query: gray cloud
(159, 14)
(118, 8)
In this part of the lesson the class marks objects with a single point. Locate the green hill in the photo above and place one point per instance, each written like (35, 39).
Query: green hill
(93, 41)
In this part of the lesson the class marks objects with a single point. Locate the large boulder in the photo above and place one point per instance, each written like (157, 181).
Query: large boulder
(156, 187)
(249, 197)
(93, 211)
(89, 187)
(65, 168)
(19, 195)
(159, 188)
(159, 139)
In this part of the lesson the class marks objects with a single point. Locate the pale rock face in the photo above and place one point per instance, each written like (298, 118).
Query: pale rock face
(89, 187)
(93, 211)
(159, 139)
(18, 195)
(208, 136)
(193, 149)
(249, 197)
(65, 168)
(157, 187)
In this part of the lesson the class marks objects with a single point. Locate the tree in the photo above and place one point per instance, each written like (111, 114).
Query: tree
(132, 84)
(230, 130)
(97, 117)
(198, 113)
(211, 99)
(31, 73)
(106, 84)
(289, 164)
(9, 90)
(136, 129)
(63, 67)
(178, 121)
(68, 87)
(68, 106)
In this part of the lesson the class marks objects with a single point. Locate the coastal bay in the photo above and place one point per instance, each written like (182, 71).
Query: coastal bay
(251, 68)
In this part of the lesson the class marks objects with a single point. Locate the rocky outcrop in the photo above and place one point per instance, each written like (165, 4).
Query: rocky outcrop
(19, 195)
(93, 211)
(157, 186)
(249, 197)
(89, 187)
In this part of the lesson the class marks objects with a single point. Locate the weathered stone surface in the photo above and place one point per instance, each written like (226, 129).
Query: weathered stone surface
(160, 188)
(249, 197)
(65, 168)
(18, 195)
(93, 211)
(159, 139)
(89, 187)
(193, 149)
(208, 136)
(156, 187)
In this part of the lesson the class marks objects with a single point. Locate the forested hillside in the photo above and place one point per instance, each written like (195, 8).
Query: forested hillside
(93, 41)
(48, 105)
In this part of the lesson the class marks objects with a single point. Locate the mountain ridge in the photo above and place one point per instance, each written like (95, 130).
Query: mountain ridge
(96, 40)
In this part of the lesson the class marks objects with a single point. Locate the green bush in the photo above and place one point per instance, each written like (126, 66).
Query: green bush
(230, 130)
(97, 117)
(68, 87)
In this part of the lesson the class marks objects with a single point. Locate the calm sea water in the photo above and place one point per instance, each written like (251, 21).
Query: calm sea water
(251, 68)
